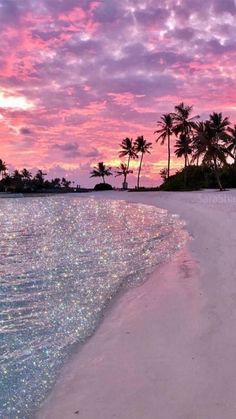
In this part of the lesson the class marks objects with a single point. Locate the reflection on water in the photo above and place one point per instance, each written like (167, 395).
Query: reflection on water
(62, 260)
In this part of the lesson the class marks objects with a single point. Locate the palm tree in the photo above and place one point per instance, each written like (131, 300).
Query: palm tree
(56, 182)
(143, 147)
(17, 180)
(3, 168)
(183, 148)
(17, 175)
(26, 175)
(7, 182)
(231, 143)
(165, 130)
(101, 171)
(39, 178)
(164, 174)
(210, 148)
(65, 183)
(183, 123)
(128, 149)
(123, 170)
(219, 126)
(184, 126)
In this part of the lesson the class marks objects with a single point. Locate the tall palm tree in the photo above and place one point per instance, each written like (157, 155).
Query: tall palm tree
(210, 148)
(101, 171)
(123, 170)
(143, 147)
(3, 168)
(184, 124)
(231, 143)
(164, 131)
(128, 149)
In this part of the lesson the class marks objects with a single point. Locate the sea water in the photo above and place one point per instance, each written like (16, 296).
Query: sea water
(62, 259)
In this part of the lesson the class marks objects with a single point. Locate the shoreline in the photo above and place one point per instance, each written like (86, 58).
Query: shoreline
(161, 350)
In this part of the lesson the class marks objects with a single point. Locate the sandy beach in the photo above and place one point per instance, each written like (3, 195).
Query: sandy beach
(166, 349)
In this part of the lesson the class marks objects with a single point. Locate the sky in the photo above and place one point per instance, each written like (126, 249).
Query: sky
(78, 76)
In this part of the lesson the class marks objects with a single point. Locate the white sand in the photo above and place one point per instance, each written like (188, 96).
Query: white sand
(167, 349)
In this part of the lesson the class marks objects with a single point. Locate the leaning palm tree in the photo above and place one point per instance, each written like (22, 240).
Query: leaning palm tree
(101, 171)
(3, 168)
(231, 143)
(213, 152)
(164, 131)
(123, 170)
(143, 147)
(128, 149)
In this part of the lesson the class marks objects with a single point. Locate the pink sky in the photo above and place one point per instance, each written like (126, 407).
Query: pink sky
(77, 76)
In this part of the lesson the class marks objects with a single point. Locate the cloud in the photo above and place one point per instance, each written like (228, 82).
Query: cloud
(25, 131)
(71, 150)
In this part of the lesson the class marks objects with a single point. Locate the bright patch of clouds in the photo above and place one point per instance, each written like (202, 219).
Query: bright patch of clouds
(10, 101)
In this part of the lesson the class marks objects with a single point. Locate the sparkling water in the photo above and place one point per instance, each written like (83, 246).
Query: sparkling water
(62, 260)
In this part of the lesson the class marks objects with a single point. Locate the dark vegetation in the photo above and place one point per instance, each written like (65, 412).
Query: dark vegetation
(24, 182)
(103, 187)
(199, 177)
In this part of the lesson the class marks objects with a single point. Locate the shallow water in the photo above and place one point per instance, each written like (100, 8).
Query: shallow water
(62, 260)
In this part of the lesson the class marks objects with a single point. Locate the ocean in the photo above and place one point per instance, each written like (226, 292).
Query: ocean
(62, 260)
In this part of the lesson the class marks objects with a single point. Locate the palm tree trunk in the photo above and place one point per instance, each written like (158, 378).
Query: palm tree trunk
(103, 178)
(128, 163)
(185, 160)
(125, 181)
(217, 175)
(168, 169)
(185, 169)
(139, 170)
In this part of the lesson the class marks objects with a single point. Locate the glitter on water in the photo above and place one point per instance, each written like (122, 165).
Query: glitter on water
(62, 260)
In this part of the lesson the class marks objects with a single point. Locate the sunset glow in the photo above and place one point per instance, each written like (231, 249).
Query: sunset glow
(14, 102)
(76, 77)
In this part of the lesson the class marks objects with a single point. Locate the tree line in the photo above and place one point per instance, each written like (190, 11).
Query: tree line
(210, 144)
(24, 181)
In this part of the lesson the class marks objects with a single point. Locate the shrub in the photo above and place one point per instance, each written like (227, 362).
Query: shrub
(103, 187)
